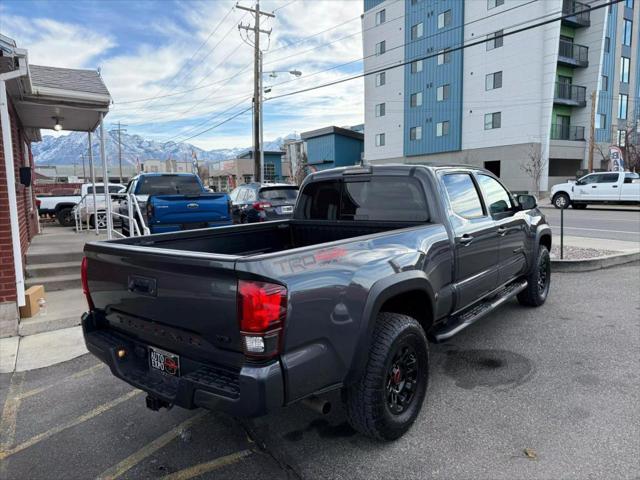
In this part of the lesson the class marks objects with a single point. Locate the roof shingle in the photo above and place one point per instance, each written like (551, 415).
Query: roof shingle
(87, 81)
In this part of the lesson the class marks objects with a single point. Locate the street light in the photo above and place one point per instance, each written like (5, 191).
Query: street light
(58, 126)
(262, 90)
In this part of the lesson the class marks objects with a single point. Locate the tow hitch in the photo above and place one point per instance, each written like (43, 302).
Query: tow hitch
(156, 404)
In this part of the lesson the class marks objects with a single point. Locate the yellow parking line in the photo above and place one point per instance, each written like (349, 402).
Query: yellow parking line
(135, 458)
(72, 423)
(10, 411)
(76, 375)
(202, 468)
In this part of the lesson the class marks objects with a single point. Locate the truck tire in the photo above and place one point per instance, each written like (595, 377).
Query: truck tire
(538, 281)
(561, 200)
(385, 401)
(65, 217)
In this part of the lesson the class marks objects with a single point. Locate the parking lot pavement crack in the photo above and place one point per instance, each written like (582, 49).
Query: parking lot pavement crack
(262, 444)
(10, 412)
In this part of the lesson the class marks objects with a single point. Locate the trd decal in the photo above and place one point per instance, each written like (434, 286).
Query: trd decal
(305, 262)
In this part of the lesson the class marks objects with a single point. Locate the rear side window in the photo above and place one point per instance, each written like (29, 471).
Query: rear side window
(168, 185)
(463, 195)
(608, 178)
(279, 194)
(399, 199)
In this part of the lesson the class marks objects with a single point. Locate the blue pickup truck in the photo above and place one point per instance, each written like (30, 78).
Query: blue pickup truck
(170, 202)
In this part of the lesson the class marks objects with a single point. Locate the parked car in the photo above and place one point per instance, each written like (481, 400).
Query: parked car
(260, 202)
(62, 205)
(170, 202)
(622, 188)
(375, 261)
(87, 211)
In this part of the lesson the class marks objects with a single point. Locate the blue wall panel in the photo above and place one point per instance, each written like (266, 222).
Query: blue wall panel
(605, 99)
(321, 150)
(432, 76)
(369, 4)
(328, 151)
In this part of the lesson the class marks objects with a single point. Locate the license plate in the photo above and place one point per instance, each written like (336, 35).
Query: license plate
(165, 362)
(286, 209)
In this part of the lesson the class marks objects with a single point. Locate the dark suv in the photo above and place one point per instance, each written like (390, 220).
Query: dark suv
(260, 202)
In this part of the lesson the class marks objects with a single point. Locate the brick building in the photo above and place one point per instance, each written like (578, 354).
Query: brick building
(33, 97)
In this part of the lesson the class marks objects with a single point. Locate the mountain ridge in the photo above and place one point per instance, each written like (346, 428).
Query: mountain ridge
(68, 149)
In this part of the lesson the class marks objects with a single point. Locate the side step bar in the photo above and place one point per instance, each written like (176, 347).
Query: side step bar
(465, 318)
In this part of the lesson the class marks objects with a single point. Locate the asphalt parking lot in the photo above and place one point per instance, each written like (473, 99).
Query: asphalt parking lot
(561, 381)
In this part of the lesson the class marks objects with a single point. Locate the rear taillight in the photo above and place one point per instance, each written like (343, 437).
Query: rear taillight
(85, 282)
(261, 205)
(262, 308)
(149, 211)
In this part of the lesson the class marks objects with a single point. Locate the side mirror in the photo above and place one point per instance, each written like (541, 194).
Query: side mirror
(527, 202)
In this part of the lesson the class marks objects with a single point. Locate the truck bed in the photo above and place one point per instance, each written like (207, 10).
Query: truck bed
(262, 238)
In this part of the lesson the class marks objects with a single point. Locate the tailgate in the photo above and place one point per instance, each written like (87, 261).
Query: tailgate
(179, 209)
(183, 303)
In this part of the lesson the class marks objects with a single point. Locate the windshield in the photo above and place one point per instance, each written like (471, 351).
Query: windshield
(169, 185)
(281, 193)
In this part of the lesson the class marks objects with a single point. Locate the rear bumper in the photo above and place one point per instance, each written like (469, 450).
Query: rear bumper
(250, 392)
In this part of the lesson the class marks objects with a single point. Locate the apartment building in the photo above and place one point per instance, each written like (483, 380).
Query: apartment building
(503, 101)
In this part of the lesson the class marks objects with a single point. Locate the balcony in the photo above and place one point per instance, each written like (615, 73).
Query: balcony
(571, 95)
(580, 14)
(572, 54)
(567, 132)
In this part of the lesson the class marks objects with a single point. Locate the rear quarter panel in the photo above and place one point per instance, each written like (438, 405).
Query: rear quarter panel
(328, 288)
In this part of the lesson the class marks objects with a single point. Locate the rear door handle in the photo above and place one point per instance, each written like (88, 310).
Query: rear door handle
(615, 186)
(465, 239)
(594, 186)
(502, 231)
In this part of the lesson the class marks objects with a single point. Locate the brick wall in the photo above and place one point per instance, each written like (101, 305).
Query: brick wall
(27, 211)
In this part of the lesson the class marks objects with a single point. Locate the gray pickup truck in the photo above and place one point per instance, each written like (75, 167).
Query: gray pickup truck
(376, 262)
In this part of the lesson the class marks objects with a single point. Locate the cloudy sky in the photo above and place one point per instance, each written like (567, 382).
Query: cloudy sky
(191, 57)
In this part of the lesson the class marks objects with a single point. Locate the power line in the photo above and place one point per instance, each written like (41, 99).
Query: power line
(434, 55)
(218, 124)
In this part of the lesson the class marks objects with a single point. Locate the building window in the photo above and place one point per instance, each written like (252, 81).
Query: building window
(623, 102)
(444, 56)
(444, 19)
(493, 81)
(380, 110)
(381, 79)
(380, 140)
(495, 40)
(624, 69)
(417, 31)
(381, 47)
(246, 178)
(415, 133)
(605, 83)
(607, 44)
(629, 3)
(621, 139)
(381, 16)
(492, 120)
(442, 129)
(626, 32)
(269, 172)
(601, 120)
(442, 93)
(416, 99)
(494, 3)
(416, 66)
(415, 2)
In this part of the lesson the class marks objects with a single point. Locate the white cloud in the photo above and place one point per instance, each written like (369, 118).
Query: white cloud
(57, 44)
(165, 68)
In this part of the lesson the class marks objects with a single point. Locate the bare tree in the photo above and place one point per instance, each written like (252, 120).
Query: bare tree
(301, 169)
(534, 166)
(629, 142)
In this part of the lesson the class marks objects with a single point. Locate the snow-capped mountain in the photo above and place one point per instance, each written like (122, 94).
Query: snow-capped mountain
(68, 149)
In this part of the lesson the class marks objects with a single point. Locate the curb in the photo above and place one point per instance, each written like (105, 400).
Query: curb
(597, 263)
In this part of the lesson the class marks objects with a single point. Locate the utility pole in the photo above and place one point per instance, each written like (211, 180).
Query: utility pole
(120, 130)
(257, 84)
(84, 171)
(592, 131)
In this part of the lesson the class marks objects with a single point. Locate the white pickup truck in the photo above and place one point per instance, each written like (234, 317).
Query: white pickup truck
(621, 188)
(62, 205)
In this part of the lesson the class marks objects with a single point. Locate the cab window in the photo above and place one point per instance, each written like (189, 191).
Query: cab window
(608, 178)
(498, 199)
(463, 195)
